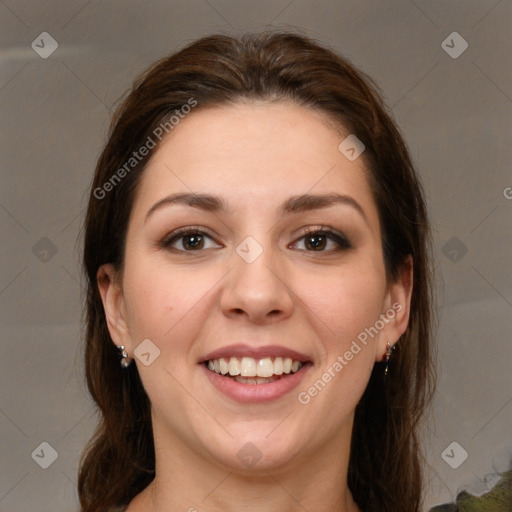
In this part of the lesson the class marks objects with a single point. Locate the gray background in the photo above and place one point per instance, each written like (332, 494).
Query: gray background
(454, 112)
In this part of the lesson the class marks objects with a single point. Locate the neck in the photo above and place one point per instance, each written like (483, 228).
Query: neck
(313, 480)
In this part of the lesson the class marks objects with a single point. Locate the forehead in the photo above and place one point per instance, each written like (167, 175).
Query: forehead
(254, 154)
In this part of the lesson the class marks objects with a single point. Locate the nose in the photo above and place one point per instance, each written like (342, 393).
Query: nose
(257, 290)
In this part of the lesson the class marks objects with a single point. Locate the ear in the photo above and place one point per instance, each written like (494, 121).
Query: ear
(114, 305)
(397, 307)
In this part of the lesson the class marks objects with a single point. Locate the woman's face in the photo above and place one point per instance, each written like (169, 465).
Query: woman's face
(273, 252)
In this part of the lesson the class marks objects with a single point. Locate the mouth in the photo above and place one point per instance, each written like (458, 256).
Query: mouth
(252, 371)
(248, 374)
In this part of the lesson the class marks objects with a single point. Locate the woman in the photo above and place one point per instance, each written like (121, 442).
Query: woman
(259, 289)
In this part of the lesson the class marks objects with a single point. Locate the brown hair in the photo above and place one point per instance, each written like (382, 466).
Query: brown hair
(385, 460)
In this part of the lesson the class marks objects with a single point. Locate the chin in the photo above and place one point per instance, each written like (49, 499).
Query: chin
(255, 452)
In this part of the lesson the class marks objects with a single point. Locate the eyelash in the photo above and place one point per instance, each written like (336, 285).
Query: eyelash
(338, 238)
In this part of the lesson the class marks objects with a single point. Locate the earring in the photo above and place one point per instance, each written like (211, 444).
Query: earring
(387, 356)
(126, 360)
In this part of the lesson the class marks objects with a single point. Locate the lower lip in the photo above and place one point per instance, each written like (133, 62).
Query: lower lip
(256, 393)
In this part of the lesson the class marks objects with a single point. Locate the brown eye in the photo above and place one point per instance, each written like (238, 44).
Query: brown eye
(195, 241)
(188, 240)
(318, 241)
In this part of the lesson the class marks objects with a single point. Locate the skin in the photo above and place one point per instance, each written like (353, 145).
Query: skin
(188, 303)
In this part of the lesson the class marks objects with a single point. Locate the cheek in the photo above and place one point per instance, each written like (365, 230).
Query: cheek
(345, 301)
(150, 299)
(343, 305)
(163, 304)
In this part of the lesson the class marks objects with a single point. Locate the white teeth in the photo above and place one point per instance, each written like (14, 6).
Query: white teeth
(261, 369)
(223, 366)
(248, 367)
(278, 366)
(233, 366)
(255, 380)
(265, 367)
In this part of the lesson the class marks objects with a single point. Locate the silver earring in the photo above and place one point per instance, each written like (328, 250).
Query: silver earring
(126, 360)
(389, 351)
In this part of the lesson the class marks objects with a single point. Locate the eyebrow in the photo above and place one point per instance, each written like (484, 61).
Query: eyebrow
(294, 204)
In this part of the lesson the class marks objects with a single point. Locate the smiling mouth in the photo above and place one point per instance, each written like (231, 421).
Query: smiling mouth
(248, 370)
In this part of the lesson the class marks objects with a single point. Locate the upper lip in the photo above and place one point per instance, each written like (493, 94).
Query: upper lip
(241, 350)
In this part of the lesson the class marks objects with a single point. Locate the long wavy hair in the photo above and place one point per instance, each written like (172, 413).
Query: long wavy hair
(385, 465)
